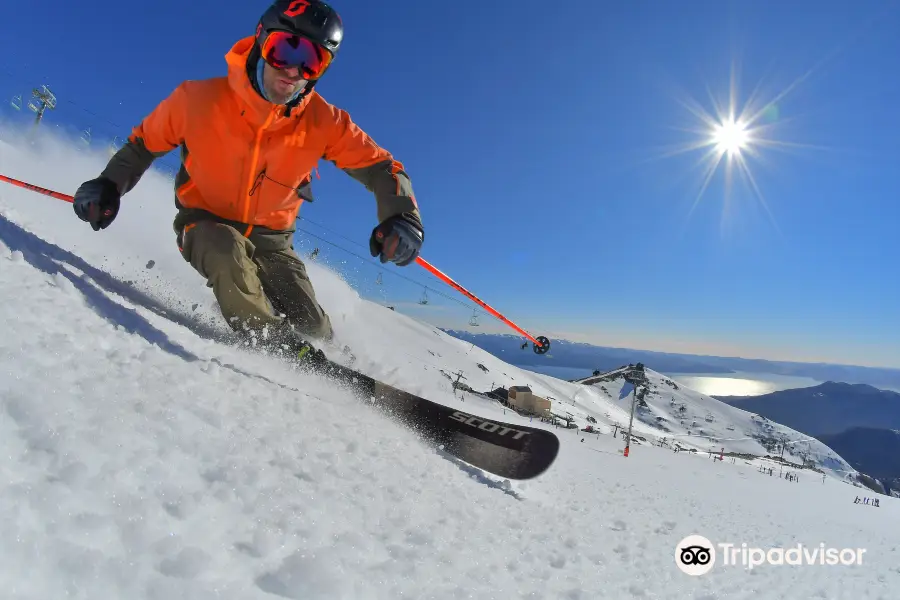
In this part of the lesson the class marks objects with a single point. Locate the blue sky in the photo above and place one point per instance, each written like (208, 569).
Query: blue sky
(539, 139)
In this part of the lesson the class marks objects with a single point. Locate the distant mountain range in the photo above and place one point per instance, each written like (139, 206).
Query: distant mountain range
(859, 422)
(826, 409)
(576, 355)
(875, 452)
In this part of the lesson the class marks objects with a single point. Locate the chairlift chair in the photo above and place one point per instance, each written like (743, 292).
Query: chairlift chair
(16, 102)
(424, 299)
(114, 145)
(46, 96)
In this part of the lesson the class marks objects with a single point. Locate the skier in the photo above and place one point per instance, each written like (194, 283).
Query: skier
(249, 143)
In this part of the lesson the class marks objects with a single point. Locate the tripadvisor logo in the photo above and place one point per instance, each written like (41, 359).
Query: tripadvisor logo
(696, 555)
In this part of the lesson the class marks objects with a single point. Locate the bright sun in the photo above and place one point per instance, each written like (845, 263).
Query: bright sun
(730, 137)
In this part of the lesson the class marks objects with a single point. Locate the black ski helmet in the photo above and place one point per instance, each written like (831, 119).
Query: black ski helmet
(313, 19)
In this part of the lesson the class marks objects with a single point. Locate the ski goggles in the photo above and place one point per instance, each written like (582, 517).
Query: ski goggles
(283, 50)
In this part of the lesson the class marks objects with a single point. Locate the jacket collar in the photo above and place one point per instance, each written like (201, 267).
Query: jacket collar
(260, 108)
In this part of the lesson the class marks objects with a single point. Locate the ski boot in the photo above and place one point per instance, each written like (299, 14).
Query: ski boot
(284, 342)
(302, 353)
(297, 350)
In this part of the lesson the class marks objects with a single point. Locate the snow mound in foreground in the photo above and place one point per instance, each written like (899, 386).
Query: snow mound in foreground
(143, 460)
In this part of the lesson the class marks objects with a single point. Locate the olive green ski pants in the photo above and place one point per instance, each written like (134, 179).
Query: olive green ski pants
(255, 279)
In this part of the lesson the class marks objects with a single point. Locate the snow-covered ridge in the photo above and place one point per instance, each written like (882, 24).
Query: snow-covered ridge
(141, 460)
(680, 415)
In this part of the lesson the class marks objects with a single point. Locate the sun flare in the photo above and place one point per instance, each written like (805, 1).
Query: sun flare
(730, 137)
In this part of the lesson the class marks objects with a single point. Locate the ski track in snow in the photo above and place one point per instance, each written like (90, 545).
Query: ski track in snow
(138, 464)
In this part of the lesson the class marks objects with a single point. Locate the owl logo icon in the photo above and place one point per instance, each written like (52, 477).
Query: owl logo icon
(695, 555)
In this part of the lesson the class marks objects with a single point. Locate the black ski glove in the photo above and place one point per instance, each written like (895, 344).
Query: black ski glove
(97, 202)
(397, 239)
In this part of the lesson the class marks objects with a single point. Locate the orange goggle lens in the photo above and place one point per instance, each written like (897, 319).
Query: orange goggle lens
(283, 50)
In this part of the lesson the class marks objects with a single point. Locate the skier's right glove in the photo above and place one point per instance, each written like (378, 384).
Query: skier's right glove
(97, 202)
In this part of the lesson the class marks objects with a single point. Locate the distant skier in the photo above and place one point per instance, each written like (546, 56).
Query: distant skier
(249, 143)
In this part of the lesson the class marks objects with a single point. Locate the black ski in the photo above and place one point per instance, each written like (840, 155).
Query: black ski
(504, 449)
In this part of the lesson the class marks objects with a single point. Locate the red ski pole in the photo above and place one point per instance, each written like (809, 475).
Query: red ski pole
(38, 189)
(541, 343)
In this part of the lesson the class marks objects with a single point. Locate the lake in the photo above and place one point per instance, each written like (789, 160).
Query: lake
(741, 384)
(711, 384)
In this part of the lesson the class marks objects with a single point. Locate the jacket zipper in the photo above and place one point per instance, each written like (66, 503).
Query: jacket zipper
(254, 162)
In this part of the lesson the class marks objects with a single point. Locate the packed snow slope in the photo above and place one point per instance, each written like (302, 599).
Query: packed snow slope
(142, 459)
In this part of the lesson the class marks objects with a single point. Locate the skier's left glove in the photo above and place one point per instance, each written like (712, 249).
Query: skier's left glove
(397, 239)
(97, 202)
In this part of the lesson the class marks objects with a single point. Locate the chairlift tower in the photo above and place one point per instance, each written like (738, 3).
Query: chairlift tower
(43, 99)
(636, 377)
(459, 376)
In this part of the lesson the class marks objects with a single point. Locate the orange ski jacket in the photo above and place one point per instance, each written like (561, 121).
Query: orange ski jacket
(247, 162)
